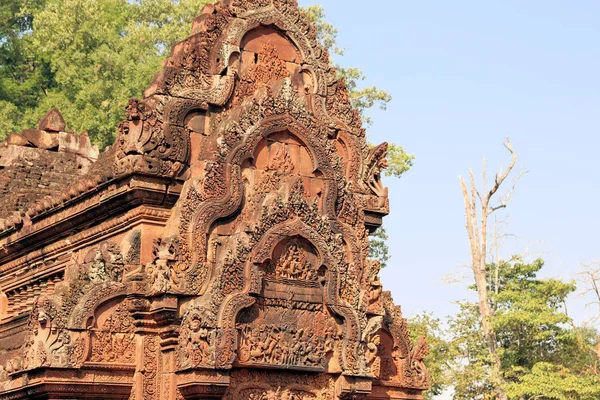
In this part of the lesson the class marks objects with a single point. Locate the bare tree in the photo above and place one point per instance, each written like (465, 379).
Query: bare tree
(590, 281)
(478, 208)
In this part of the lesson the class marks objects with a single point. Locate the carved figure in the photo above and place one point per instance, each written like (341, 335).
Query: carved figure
(224, 235)
(282, 161)
(197, 338)
(107, 263)
(49, 344)
(293, 264)
(286, 346)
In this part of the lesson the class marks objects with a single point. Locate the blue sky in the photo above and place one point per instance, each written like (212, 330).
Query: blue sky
(464, 75)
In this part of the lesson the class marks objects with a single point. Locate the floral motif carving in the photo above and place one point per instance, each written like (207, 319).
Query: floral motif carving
(262, 190)
(114, 342)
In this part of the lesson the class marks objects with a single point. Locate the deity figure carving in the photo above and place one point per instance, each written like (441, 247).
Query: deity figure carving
(166, 273)
(197, 339)
(293, 264)
(281, 161)
(375, 305)
(219, 248)
(104, 263)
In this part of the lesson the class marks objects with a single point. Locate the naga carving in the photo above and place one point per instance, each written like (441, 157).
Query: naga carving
(232, 262)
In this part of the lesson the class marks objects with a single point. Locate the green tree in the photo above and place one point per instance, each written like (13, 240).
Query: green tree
(541, 354)
(85, 57)
(24, 78)
(363, 98)
(379, 249)
(437, 359)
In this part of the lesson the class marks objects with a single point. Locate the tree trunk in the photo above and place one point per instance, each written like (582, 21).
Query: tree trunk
(477, 232)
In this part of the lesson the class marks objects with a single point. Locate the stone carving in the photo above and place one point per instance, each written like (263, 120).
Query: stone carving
(293, 264)
(115, 341)
(284, 346)
(376, 162)
(103, 264)
(226, 228)
(404, 364)
(197, 339)
(281, 161)
(166, 273)
(375, 305)
(249, 384)
(145, 144)
(49, 343)
(276, 394)
(293, 344)
(150, 385)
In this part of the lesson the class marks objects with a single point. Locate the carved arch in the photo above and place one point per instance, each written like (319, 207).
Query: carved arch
(262, 251)
(295, 228)
(83, 312)
(211, 211)
(230, 42)
(314, 144)
(352, 167)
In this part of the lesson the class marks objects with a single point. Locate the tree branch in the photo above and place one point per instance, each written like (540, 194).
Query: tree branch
(501, 176)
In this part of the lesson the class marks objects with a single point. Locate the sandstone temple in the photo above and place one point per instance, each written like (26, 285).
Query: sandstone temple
(219, 248)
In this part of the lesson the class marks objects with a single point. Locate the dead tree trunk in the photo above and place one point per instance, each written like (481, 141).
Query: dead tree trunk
(475, 204)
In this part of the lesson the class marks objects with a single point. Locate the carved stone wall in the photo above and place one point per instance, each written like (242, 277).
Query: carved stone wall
(219, 248)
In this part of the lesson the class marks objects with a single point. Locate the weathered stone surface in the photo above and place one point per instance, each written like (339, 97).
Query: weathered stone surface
(219, 248)
(41, 139)
(15, 139)
(30, 174)
(53, 121)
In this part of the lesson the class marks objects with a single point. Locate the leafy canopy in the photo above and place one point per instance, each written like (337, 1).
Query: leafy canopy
(543, 355)
(88, 57)
(85, 57)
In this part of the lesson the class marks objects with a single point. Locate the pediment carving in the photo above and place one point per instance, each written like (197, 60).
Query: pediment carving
(244, 272)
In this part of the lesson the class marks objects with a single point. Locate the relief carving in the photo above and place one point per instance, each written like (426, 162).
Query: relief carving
(114, 341)
(276, 394)
(197, 337)
(263, 264)
(103, 264)
(167, 273)
(403, 360)
(294, 265)
(284, 346)
(295, 344)
(49, 343)
(281, 161)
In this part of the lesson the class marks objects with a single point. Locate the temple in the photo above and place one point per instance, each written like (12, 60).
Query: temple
(219, 248)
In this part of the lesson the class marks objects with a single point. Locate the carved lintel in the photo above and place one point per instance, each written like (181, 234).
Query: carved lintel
(200, 384)
(85, 383)
(353, 388)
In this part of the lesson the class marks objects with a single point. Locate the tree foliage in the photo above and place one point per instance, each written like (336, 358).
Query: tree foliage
(378, 249)
(85, 57)
(542, 354)
(437, 360)
(88, 57)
